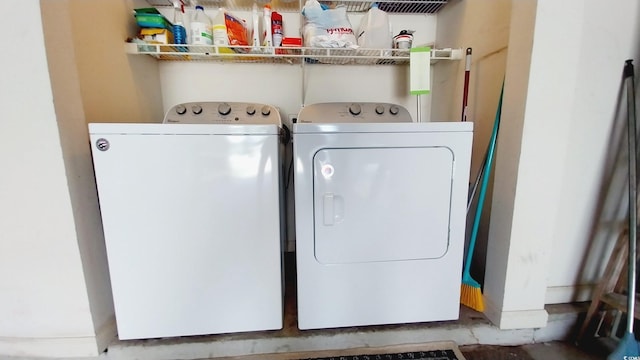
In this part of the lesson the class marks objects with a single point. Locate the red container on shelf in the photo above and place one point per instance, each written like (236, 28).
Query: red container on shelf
(289, 42)
(276, 29)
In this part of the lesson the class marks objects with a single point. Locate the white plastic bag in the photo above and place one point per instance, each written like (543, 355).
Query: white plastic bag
(327, 28)
(374, 31)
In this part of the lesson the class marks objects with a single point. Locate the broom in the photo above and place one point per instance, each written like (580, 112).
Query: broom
(471, 294)
(629, 348)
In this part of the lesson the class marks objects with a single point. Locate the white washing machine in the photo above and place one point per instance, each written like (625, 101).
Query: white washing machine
(380, 205)
(192, 212)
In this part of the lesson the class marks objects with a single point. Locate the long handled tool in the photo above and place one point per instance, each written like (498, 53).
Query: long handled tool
(465, 91)
(463, 117)
(471, 294)
(628, 348)
(474, 187)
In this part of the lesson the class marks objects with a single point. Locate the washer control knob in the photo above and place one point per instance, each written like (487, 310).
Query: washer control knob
(181, 110)
(355, 109)
(265, 110)
(224, 109)
(379, 109)
(394, 110)
(197, 109)
(251, 110)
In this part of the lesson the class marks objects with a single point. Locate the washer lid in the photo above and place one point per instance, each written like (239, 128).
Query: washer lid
(382, 127)
(182, 129)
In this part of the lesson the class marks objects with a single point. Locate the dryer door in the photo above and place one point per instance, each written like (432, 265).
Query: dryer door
(382, 204)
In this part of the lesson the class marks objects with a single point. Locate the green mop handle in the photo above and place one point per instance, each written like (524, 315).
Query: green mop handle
(485, 183)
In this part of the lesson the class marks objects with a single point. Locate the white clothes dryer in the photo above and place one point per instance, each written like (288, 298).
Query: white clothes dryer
(192, 218)
(380, 205)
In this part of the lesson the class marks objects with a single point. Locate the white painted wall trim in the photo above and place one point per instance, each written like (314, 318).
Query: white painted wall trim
(569, 294)
(106, 334)
(515, 277)
(516, 319)
(71, 347)
(62, 347)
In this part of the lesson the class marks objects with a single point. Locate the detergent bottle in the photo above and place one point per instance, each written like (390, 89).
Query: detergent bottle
(201, 28)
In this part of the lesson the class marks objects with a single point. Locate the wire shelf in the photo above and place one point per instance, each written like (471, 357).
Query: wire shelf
(240, 5)
(284, 55)
(394, 6)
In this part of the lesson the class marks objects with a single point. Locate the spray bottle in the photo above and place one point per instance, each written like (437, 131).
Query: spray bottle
(179, 31)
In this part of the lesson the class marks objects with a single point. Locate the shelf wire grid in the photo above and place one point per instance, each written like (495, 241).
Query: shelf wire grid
(285, 55)
(394, 6)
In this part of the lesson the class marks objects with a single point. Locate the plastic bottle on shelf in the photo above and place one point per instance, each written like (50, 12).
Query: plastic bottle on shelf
(201, 28)
(276, 28)
(220, 36)
(179, 32)
(255, 31)
(266, 20)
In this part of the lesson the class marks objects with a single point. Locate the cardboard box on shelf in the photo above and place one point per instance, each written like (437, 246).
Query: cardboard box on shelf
(156, 36)
(289, 43)
(159, 37)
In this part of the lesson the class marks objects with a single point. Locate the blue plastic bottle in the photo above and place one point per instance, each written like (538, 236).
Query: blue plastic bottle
(179, 32)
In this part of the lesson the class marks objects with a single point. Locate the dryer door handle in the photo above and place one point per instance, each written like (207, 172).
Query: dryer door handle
(332, 209)
(328, 211)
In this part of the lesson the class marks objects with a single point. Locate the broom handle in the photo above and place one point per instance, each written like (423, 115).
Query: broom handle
(465, 91)
(483, 186)
(633, 190)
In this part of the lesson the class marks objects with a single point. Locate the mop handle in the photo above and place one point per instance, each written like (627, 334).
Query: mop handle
(631, 113)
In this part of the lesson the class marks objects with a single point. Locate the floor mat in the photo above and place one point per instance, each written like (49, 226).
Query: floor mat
(417, 355)
(441, 350)
(488, 352)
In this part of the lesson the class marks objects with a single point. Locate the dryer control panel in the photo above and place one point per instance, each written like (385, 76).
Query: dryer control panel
(354, 112)
(223, 113)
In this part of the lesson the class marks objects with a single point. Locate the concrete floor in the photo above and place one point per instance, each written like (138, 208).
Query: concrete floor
(472, 332)
(556, 350)
(477, 338)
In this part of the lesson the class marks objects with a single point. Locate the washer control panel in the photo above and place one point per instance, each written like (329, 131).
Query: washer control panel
(354, 112)
(223, 113)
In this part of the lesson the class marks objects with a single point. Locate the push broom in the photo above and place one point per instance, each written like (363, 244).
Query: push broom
(471, 294)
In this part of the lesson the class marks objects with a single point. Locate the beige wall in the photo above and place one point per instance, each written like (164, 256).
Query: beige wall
(65, 82)
(56, 297)
(115, 87)
(558, 130)
(577, 124)
(93, 80)
(483, 26)
(43, 289)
